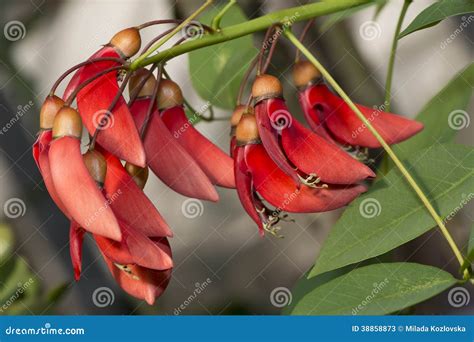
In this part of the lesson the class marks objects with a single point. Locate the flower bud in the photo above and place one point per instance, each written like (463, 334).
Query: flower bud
(304, 72)
(169, 95)
(67, 123)
(127, 41)
(266, 86)
(247, 130)
(136, 80)
(139, 174)
(49, 109)
(96, 165)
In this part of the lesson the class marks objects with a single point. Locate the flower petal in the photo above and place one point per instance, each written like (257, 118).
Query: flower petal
(129, 202)
(169, 160)
(78, 191)
(217, 165)
(76, 238)
(280, 191)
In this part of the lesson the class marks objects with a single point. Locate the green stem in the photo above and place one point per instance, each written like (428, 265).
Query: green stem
(137, 63)
(382, 142)
(393, 52)
(216, 21)
(294, 14)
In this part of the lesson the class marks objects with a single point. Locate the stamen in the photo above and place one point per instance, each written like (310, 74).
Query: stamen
(127, 270)
(312, 180)
(358, 153)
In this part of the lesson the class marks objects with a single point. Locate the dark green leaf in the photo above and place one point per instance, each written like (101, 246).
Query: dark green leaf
(216, 71)
(391, 214)
(375, 290)
(470, 252)
(437, 12)
(18, 279)
(443, 115)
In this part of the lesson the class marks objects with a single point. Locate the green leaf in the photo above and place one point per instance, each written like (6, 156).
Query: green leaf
(375, 290)
(216, 71)
(437, 12)
(6, 242)
(470, 252)
(17, 279)
(439, 115)
(391, 214)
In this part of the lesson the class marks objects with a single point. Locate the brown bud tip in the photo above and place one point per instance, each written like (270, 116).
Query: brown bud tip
(247, 129)
(67, 123)
(50, 107)
(304, 72)
(238, 112)
(266, 86)
(169, 94)
(96, 165)
(128, 41)
(136, 80)
(139, 174)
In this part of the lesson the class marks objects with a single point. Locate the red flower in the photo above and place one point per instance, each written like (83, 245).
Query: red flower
(295, 149)
(165, 156)
(257, 177)
(330, 117)
(119, 135)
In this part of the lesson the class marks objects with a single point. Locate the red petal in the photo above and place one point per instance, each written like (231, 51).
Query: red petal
(77, 190)
(279, 190)
(140, 282)
(76, 238)
(348, 128)
(217, 165)
(169, 160)
(135, 248)
(269, 138)
(243, 182)
(312, 154)
(130, 203)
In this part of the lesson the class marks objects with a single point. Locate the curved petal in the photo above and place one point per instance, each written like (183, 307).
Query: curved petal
(243, 182)
(312, 154)
(279, 190)
(217, 165)
(349, 129)
(129, 202)
(269, 138)
(169, 160)
(76, 238)
(78, 191)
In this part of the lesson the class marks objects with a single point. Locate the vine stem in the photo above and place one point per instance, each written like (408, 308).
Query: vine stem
(216, 21)
(136, 64)
(293, 14)
(384, 144)
(393, 51)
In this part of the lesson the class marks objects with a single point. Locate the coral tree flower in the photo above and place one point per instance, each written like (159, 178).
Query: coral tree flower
(119, 135)
(259, 178)
(296, 149)
(330, 117)
(165, 156)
